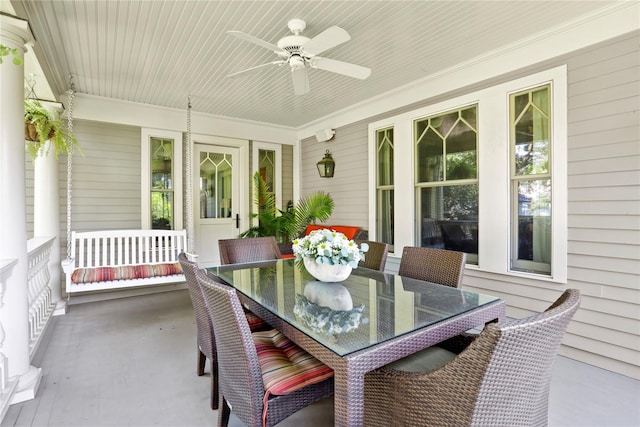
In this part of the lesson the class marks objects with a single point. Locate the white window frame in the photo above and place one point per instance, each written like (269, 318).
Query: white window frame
(145, 179)
(494, 249)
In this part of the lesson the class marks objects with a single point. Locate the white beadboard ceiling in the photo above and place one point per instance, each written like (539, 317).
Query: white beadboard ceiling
(161, 52)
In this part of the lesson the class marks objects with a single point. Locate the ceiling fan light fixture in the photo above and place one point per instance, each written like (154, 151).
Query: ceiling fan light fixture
(296, 62)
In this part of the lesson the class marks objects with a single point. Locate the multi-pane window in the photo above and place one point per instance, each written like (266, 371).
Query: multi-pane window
(446, 153)
(384, 186)
(530, 136)
(162, 184)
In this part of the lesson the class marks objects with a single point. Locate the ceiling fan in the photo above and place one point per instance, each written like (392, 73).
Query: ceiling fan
(299, 51)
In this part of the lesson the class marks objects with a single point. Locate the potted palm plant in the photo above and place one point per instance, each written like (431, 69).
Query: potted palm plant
(41, 125)
(288, 224)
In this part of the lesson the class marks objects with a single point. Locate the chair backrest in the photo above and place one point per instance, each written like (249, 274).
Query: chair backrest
(515, 386)
(440, 266)
(204, 326)
(238, 365)
(376, 257)
(234, 251)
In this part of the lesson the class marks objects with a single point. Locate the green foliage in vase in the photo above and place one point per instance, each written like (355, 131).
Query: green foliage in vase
(48, 126)
(286, 225)
(6, 51)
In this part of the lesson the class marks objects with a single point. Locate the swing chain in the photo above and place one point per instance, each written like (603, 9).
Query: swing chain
(69, 162)
(189, 183)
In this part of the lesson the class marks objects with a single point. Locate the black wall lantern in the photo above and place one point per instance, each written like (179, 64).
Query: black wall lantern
(326, 166)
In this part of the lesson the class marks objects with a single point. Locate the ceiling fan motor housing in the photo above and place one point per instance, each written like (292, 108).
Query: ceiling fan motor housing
(292, 44)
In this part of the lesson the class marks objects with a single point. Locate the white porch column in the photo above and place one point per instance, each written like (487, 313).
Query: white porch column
(46, 215)
(14, 314)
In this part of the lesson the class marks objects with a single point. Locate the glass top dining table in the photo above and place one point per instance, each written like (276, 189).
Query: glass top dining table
(365, 322)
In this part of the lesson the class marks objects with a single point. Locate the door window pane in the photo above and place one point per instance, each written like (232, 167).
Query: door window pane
(215, 185)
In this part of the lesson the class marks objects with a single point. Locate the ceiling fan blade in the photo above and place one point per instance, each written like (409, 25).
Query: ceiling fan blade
(254, 40)
(345, 68)
(236, 74)
(300, 81)
(331, 37)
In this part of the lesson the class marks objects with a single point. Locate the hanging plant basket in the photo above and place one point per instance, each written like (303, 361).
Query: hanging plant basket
(31, 134)
(42, 125)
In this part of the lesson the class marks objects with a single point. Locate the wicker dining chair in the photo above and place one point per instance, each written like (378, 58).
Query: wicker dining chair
(440, 266)
(250, 249)
(264, 377)
(234, 251)
(376, 257)
(204, 328)
(500, 377)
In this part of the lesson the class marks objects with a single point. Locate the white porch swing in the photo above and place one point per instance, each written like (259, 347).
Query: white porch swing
(117, 259)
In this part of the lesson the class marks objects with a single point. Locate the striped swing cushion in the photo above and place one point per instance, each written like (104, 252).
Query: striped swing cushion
(126, 272)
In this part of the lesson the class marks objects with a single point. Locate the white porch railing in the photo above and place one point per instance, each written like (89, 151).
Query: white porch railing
(7, 386)
(41, 305)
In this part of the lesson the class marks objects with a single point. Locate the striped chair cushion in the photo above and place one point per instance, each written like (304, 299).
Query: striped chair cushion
(285, 366)
(125, 272)
(256, 323)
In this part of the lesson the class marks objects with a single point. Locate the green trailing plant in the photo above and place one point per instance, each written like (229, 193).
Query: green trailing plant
(286, 225)
(6, 51)
(42, 125)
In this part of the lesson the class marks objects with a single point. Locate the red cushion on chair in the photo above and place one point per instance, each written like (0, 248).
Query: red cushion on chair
(256, 323)
(313, 227)
(348, 230)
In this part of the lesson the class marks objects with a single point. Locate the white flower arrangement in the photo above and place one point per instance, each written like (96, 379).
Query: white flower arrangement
(329, 247)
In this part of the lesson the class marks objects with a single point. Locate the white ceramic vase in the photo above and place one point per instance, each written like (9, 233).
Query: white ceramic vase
(327, 272)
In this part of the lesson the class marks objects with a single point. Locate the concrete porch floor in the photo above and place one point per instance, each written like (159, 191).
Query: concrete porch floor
(132, 362)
